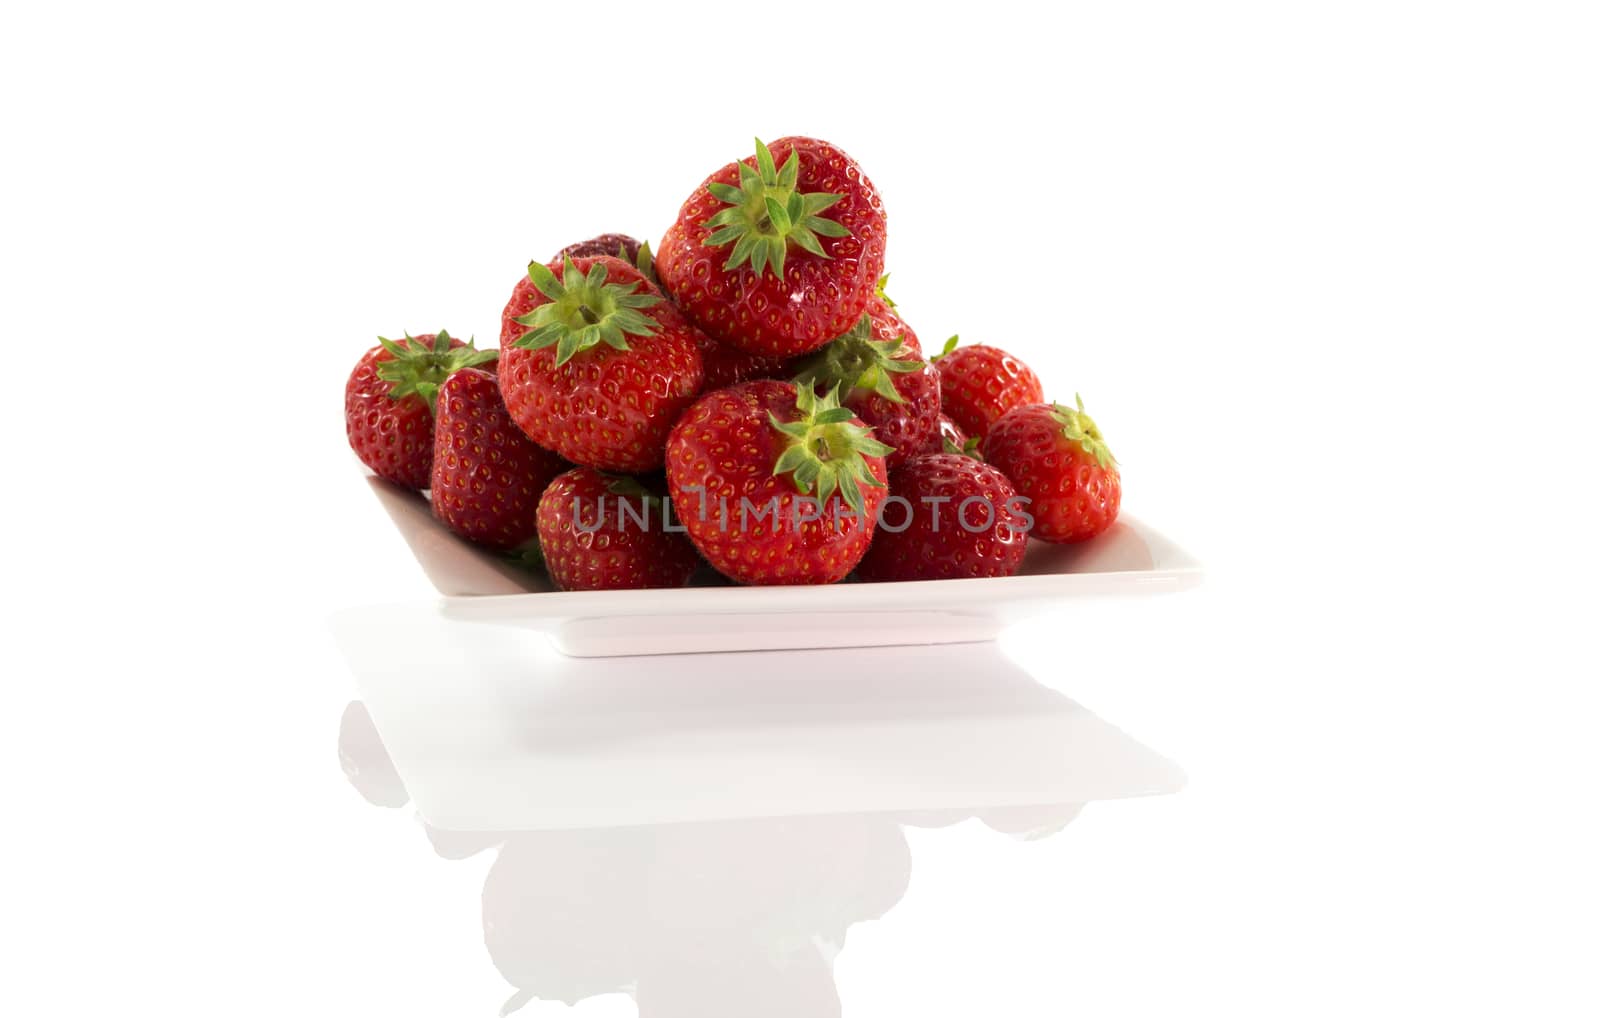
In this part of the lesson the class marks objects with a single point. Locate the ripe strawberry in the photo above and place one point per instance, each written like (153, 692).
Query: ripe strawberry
(949, 517)
(389, 400)
(604, 244)
(890, 388)
(601, 532)
(949, 437)
(979, 383)
(776, 484)
(777, 261)
(1058, 459)
(726, 365)
(487, 476)
(595, 365)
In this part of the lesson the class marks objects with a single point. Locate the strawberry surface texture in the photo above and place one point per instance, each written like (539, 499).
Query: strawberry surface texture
(778, 254)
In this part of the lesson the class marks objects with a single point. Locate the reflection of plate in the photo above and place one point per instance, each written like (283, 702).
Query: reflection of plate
(489, 728)
(1128, 559)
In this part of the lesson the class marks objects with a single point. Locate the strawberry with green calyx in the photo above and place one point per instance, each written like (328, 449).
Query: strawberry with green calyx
(777, 254)
(950, 517)
(979, 383)
(595, 365)
(607, 532)
(1057, 457)
(889, 387)
(487, 475)
(389, 402)
(775, 484)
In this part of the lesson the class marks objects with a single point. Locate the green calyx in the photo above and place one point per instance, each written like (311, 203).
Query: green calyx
(856, 362)
(584, 311)
(766, 214)
(629, 487)
(645, 262)
(883, 291)
(1079, 427)
(414, 368)
(826, 452)
(527, 555)
(971, 450)
(949, 344)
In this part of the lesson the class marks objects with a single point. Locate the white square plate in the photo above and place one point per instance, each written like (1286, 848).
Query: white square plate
(1130, 558)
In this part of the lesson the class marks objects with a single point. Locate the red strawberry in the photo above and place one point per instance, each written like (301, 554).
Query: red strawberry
(1058, 459)
(487, 476)
(604, 244)
(892, 389)
(887, 323)
(595, 365)
(601, 532)
(776, 484)
(949, 438)
(979, 383)
(389, 398)
(777, 261)
(949, 517)
(725, 365)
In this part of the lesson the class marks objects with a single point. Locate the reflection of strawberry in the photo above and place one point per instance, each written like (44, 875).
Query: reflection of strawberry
(595, 365)
(1057, 458)
(889, 387)
(389, 399)
(775, 484)
(777, 254)
(979, 383)
(602, 532)
(950, 517)
(487, 475)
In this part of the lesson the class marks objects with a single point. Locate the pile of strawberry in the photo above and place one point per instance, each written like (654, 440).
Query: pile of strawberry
(748, 397)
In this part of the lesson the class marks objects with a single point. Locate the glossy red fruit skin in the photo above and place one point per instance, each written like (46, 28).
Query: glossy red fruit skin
(1072, 497)
(977, 384)
(608, 548)
(725, 445)
(993, 547)
(817, 298)
(604, 244)
(903, 426)
(947, 431)
(605, 408)
(726, 365)
(394, 438)
(887, 325)
(487, 475)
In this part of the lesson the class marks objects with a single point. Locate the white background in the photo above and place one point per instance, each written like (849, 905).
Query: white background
(1324, 273)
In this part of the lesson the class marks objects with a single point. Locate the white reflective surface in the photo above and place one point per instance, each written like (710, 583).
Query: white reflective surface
(700, 833)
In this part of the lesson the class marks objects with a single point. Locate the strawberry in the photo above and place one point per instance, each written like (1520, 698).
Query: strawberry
(617, 245)
(776, 484)
(949, 437)
(595, 365)
(1058, 459)
(889, 387)
(949, 517)
(777, 261)
(601, 532)
(389, 400)
(487, 476)
(726, 365)
(979, 383)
